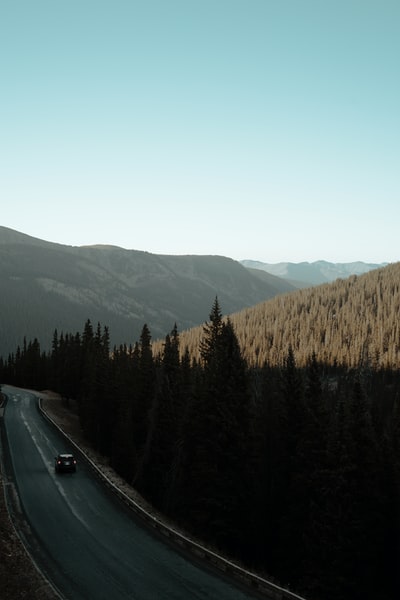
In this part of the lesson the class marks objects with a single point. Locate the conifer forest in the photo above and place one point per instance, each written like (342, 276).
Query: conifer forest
(293, 470)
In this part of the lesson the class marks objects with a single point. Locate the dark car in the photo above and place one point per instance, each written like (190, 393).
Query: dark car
(65, 463)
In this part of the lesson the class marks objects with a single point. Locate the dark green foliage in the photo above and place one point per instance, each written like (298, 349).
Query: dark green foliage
(293, 471)
(365, 528)
(293, 492)
(142, 403)
(123, 452)
(162, 461)
(311, 480)
(215, 471)
(28, 367)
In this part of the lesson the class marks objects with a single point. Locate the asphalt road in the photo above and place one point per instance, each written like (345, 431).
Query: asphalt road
(89, 546)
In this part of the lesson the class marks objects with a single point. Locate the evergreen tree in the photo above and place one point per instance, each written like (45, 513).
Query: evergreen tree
(211, 334)
(354, 539)
(175, 503)
(291, 518)
(333, 582)
(86, 398)
(215, 445)
(165, 425)
(143, 400)
(105, 415)
(392, 483)
(266, 463)
(365, 541)
(123, 451)
(54, 366)
(311, 481)
(94, 395)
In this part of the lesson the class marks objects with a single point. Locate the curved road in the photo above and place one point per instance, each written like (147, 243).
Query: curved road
(88, 544)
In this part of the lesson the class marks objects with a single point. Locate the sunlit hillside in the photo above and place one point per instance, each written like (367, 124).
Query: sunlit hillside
(344, 321)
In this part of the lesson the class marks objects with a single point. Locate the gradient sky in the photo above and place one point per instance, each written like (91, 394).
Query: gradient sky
(254, 129)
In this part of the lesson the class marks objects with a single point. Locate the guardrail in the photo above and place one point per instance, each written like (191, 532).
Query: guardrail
(263, 587)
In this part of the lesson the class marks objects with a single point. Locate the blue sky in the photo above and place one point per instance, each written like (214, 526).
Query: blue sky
(254, 129)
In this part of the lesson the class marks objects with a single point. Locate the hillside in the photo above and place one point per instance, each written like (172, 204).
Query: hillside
(47, 286)
(343, 321)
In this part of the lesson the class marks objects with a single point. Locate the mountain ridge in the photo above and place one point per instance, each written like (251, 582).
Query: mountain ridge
(48, 286)
(306, 274)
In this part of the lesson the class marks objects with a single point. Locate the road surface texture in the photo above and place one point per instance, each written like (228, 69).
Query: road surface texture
(84, 540)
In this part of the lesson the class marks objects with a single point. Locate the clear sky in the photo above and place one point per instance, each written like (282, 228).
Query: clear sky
(254, 129)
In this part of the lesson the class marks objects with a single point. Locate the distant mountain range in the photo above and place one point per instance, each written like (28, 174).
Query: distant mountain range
(306, 274)
(47, 286)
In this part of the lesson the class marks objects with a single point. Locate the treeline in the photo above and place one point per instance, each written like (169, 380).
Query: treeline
(293, 471)
(343, 322)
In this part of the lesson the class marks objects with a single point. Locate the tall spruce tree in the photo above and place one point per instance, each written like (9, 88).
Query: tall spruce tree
(165, 421)
(216, 471)
(365, 532)
(266, 462)
(143, 401)
(311, 481)
(103, 391)
(125, 366)
(289, 548)
(86, 399)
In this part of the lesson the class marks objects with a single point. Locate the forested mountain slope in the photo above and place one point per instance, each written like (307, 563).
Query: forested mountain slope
(46, 286)
(343, 321)
(293, 471)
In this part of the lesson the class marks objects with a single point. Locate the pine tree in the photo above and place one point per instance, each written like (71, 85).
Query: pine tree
(165, 423)
(124, 458)
(265, 460)
(94, 394)
(366, 526)
(211, 334)
(291, 519)
(354, 536)
(338, 504)
(105, 415)
(143, 401)
(55, 363)
(312, 480)
(86, 399)
(215, 446)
